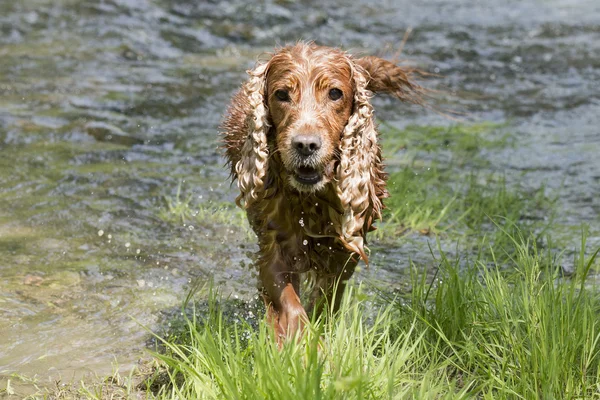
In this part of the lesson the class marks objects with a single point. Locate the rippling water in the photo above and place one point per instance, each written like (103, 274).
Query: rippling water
(106, 107)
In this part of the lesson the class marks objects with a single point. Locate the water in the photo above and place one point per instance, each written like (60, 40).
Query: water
(106, 107)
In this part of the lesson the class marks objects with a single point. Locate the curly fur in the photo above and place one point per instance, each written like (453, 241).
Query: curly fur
(359, 169)
(252, 166)
(317, 226)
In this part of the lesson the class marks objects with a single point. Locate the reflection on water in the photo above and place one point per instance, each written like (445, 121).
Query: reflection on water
(106, 107)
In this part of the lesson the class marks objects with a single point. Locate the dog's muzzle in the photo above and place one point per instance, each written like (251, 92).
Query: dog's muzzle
(306, 146)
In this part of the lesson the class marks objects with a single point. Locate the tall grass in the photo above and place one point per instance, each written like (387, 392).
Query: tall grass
(344, 359)
(517, 331)
(504, 323)
(484, 330)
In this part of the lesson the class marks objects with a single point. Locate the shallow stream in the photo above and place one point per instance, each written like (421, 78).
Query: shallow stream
(107, 107)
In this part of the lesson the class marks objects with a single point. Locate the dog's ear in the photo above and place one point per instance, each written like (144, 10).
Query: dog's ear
(386, 77)
(245, 131)
(361, 180)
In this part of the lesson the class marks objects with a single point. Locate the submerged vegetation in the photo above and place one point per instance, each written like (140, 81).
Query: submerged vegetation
(179, 209)
(441, 183)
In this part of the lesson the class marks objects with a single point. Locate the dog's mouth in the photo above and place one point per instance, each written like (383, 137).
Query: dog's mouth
(307, 175)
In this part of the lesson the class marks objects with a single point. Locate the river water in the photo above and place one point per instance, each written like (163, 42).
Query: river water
(108, 106)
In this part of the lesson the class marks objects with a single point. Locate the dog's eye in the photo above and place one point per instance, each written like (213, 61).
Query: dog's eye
(282, 95)
(335, 94)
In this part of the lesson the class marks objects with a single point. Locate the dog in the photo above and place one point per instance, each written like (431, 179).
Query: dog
(301, 141)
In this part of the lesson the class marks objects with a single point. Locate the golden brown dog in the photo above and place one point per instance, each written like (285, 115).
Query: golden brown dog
(301, 141)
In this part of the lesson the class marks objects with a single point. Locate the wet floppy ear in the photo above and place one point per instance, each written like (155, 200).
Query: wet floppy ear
(361, 180)
(251, 168)
(386, 77)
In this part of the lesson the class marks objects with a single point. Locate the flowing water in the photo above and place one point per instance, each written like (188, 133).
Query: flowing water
(108, 106)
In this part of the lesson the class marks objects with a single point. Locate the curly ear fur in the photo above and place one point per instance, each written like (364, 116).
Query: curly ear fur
(361, 180)
(251, 168)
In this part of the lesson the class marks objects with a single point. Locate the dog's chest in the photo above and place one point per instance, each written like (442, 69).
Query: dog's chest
(314, 224)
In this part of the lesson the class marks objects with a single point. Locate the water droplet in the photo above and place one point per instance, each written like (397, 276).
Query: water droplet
(127, 244)
(100, 232)
(305, 242)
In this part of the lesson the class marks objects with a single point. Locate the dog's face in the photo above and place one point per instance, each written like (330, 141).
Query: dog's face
(309, 94)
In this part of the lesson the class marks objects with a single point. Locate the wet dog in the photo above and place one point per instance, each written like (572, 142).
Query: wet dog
(301, 141)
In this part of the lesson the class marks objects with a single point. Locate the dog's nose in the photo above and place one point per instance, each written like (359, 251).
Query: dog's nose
(306, 145)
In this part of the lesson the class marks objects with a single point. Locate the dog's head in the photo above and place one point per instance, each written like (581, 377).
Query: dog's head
(303, 98)
(310, 96)
(310, 105)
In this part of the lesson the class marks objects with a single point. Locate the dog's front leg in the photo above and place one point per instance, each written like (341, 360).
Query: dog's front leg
(280, 292)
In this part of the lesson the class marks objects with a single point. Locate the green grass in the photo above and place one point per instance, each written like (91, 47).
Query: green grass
(520, 330)
(441, 183)
(186, 210)
(480, 330)
(499, 321)
(465, 141)
(438, 200)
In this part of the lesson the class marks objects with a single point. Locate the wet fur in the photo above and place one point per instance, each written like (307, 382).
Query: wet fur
(322, 227)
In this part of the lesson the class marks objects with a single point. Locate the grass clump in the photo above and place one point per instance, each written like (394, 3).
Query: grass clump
(186, 210)
(463, 140)
(518, 331)
(435, 200)
(481, 330)
(348, 358)
(442, 183)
